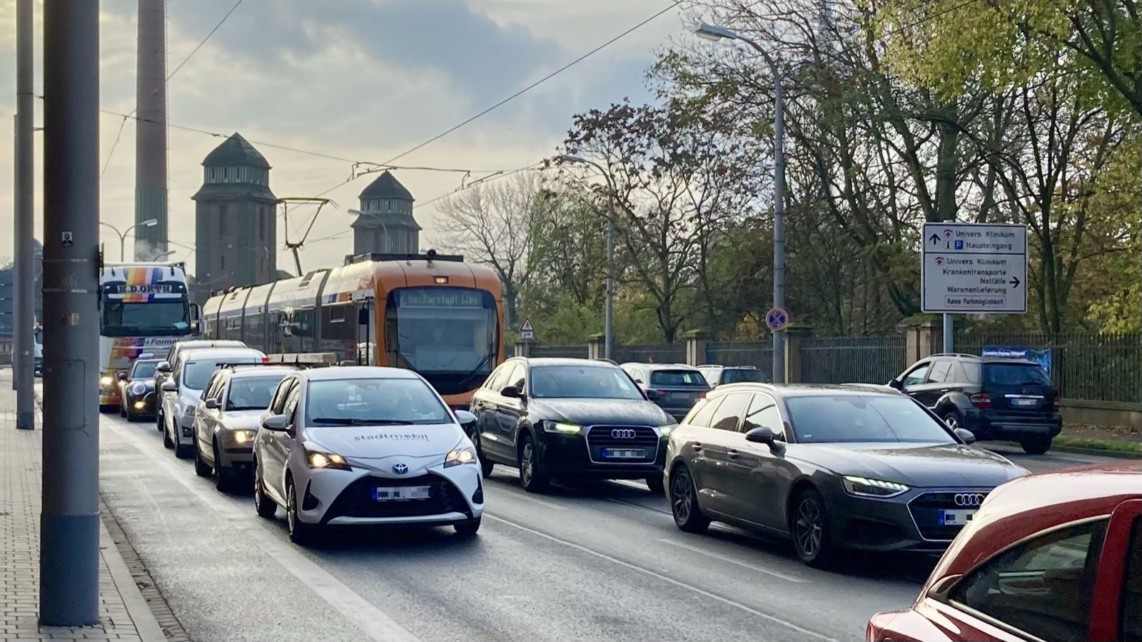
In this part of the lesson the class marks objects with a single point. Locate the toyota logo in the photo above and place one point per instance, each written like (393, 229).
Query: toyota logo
(969, 499)
(624, 433)
(400, 469)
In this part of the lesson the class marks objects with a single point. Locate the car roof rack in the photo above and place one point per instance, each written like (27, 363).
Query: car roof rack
(955, 354)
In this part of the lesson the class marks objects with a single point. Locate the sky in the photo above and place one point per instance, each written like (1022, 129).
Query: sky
(361, 80)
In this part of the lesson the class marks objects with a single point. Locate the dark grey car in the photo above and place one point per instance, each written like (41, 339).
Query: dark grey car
(828, 467)
(674, 387)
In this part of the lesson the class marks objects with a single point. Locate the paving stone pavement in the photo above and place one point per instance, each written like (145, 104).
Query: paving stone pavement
(124, 614)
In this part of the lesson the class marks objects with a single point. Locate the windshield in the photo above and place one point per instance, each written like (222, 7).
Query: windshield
(581, 382)
(195, 374)
(1014, 374)
(682, 378)
(373, 401)
(740, 375)
(250, 393)
(863, 418)
(450, 336)
(151, 318)
(144, 369)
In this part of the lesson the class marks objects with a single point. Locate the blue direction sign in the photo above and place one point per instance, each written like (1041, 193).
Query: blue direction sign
(777, 319)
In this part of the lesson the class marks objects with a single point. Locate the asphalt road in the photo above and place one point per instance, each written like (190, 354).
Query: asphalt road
(600, 562)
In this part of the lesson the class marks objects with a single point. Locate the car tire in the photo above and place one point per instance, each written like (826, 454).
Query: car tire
(656, 484)
(160, 423)
(531, 474)
(106, 409)
(168, 443)
(122, 412)
(299, 532)
(224, 476)
(265, 506)
(952, 419)
(182, 451)
(1038, 446)
(200, 466)
(809, 526)
(486, 467)
(684, 506)
(468, 528)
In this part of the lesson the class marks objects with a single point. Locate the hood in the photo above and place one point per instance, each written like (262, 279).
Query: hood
(189, 397)
(917, 465)
(611, 412)
(242, 419)
(380, 447)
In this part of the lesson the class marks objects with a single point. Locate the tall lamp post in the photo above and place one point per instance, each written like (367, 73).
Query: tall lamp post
(151, 222)
(712, 32)
(609, 305)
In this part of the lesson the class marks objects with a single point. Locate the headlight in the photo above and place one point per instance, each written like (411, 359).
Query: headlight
(561, 427)
(137, 388)
(105, 381)
(243, 436)
(459, 456)
(864, 487)
(666, 430)
(325, 461)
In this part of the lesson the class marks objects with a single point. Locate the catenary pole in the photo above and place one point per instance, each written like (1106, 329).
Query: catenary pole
(23, 282)
(69, 522)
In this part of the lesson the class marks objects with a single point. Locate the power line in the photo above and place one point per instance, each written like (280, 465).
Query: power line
(536, 83)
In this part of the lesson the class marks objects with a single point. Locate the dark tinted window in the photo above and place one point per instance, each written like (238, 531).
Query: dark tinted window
(728, 414)
(372, 400)
(917, 376)
(195, 374)
(277, 406)
(677, 378)
(971, 372)
(763, 412)
(702, 415)
(1041, 587)
(1132, 589)
(940, 372)
(582, 382)
(144, 369)
(863, 418)
(739, 375)
(250, 393)
(1014, 374)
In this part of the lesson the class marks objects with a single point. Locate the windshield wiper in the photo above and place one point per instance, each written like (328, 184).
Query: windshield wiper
(350, 421)
(475, 372)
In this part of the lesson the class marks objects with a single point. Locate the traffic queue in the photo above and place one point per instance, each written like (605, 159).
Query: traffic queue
(831, 469)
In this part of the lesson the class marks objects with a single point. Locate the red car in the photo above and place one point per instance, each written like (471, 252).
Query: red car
(1053, 557)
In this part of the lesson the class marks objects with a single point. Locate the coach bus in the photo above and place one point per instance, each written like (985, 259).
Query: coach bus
(430, 313)
(144, 308)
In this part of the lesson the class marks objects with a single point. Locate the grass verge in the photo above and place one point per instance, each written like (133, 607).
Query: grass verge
(1091, 443)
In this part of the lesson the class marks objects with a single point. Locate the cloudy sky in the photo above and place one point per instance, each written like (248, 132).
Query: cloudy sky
(357, 79)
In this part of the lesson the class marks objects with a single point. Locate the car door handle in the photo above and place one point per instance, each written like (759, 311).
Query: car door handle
(696, 447)
(945, 390)
(733, 454)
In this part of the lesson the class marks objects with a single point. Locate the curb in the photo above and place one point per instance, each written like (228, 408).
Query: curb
(137, 608)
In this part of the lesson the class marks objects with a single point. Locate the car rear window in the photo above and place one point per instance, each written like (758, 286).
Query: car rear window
(740, 375)
(821, 419)
(677, 378)
(1014, 374)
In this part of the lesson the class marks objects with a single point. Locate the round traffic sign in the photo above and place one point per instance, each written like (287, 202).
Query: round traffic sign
(777, 319)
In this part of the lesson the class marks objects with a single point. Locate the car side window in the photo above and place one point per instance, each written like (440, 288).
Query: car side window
(763, 413)
(1130, 627)
(941, 371)
(702, 413)
(638, 374)
(1041, 587)
(916, 376)
(517, 378)
(495, 381)
(277, 407)
(214, 386)
(730, 412)
(290, 409)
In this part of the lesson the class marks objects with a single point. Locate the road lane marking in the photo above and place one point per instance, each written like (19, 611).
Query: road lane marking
(372, 621)
(730, 560)
(669, 580)
(531, 499)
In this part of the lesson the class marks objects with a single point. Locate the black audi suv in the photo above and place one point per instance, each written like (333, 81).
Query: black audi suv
(569, 419)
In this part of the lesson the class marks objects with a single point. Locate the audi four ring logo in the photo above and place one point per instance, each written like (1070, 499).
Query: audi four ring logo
(623, 433)
(969, 499)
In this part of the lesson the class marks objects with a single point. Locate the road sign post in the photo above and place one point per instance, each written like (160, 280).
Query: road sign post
(973, 268)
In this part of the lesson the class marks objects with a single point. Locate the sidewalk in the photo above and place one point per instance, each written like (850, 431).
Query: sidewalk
(124, 613)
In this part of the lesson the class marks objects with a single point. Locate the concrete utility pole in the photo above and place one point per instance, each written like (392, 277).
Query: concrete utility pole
(69, 523)
(23, 282)
(151, 131)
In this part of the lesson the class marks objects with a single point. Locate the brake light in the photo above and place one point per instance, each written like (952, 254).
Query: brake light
(980, 400)
(702, 394)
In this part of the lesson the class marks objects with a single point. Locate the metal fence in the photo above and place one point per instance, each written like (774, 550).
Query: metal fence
(656, 353)
(741, 353)
(852, 359)
(1095, 367)
(572, 351)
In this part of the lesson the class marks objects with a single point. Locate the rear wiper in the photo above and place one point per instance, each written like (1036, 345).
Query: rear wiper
(348, 421)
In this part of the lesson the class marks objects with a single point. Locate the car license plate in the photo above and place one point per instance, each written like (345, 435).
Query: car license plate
(624, 453)
(401, 493)
(955, 517)
(1025, 402)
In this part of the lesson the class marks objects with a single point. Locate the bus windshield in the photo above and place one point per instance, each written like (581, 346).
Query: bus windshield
(449, 335)
(143, 319)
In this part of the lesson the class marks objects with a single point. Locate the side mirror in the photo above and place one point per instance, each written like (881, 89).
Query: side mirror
(163, 366)
(966, 435)
(170, 386)
(761, 435)
(213, 404)
(653, 395)
(897, 384)
(512, 392)
(465, 418)
(276, 423)
(122, 376)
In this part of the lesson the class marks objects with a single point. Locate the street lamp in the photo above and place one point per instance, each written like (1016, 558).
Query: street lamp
(713, 32)
(609, 309)
(151, 222)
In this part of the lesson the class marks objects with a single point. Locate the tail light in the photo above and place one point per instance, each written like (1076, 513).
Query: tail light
(702, 394)
(1055, 404)
(980, 400)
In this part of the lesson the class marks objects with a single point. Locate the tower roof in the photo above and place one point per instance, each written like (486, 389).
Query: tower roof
(235, 151)
(386, 187)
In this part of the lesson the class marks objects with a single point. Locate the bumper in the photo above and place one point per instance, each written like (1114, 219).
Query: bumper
(1014, 427)
(141, 406)
(337, 497)
(109, 396)
(236, 457)
(911, 522)
(38, 367)
(581, 457)
(184, 430)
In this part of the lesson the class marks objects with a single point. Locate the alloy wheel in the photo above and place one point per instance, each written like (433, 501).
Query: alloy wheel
(809, 528)
(681, 490)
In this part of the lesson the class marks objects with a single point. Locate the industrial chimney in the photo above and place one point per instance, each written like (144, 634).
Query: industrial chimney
(151, 132)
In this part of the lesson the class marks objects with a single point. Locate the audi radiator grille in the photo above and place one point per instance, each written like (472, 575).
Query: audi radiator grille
(926, 509)
(622, 437)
